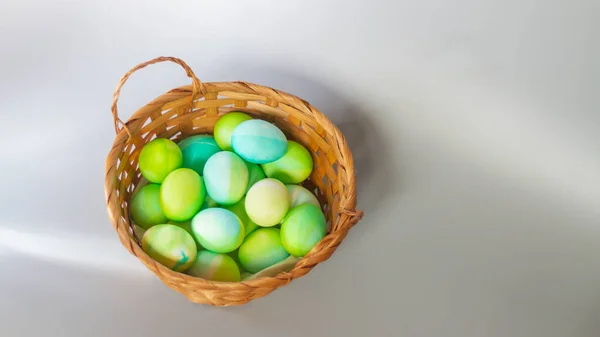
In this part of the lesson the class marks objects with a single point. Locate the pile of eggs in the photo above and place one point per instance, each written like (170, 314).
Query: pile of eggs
(227, 206)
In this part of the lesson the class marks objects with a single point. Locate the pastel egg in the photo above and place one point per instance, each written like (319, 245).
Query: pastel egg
(215, 267)
(226, 177)
(158, 158)
(258, 141)
(239, 209)
(218, 230)
(196, 150)
(303, 227)
(300, 195)
(225, 126)
(145, 207)
(170, 246)
(262, 249)
(267, 202)
(255, 173)
(182, 194)
(293, 168)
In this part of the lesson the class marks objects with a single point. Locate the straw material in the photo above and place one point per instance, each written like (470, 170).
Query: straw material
(194, 109)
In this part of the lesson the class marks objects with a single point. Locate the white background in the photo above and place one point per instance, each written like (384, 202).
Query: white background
(474, 125)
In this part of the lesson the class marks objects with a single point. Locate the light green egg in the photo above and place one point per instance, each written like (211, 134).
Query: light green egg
(255, 173)
(300, 195)
(258, 141)
(239, 209)
(196, 150)
(218, 230)
(261, 249)
(215, 267)
(170, 246)
(182, 194)
(145, 207)
(303, 227)
(225, 126)
(293, 168)
(158, 158)
(226, 177)
(267, 202)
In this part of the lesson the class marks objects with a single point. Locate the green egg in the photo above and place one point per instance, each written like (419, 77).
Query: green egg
(218, 230)
(261, 249)
(158, 158)
(226, 177)
(170, 246)
(293, 168)
(225, 126)
(182, 194)
(267, 202)
(302, 228)
(255, 173)
(300, 195)
(196, 150)
(145, 207)
(215, 267)
(239, 209)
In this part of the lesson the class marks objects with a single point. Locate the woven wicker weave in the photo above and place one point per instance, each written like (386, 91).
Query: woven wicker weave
(195, 109)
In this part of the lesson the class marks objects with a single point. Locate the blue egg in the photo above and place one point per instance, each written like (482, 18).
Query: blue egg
(258, 141)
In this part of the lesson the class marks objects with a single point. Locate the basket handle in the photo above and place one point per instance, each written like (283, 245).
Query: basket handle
(196, 86)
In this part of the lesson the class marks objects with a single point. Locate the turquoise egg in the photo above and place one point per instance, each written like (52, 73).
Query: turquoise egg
(214, 267)
(226, 177)
(225, 126)
(145, 207)
(255, 173)
(239, 209)
(267, 202)
(293, 168)
(196, 150)
(300, 195)
(182, 194)
(303, 227)
(261, 249)
(170, 246)
(218, 230)
(158, 158)
(258, 141)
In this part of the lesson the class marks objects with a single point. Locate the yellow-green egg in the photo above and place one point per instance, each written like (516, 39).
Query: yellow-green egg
(261, 249)
(218, 230)
(158, 158)
(300, 195)
(196, 150)
(225, 126)
(293, 168)
(302, 228)
(215, 267)
(267, 202)
(145, 207)
(226, 177)
(258, 141)
(182, 194)
(170, 246)
(255, 173)
(239, 209)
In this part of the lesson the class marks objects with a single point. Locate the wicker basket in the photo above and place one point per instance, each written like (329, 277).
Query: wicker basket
(195, 109)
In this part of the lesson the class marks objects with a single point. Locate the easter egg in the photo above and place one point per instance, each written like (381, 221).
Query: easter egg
(267, 202)
(170, 246)
(145, 207)
(300, 195)
(258, 141)
(225, 126)
(218, 230)
(215, 267)
(239, 209)
(255, 173)
(182, 194)
(261, 249)
(303, 227)
(226, 177)
(196, 150)
(158, 158)
(293, 168)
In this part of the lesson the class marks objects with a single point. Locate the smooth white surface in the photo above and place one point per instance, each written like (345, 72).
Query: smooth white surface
(474, 125)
